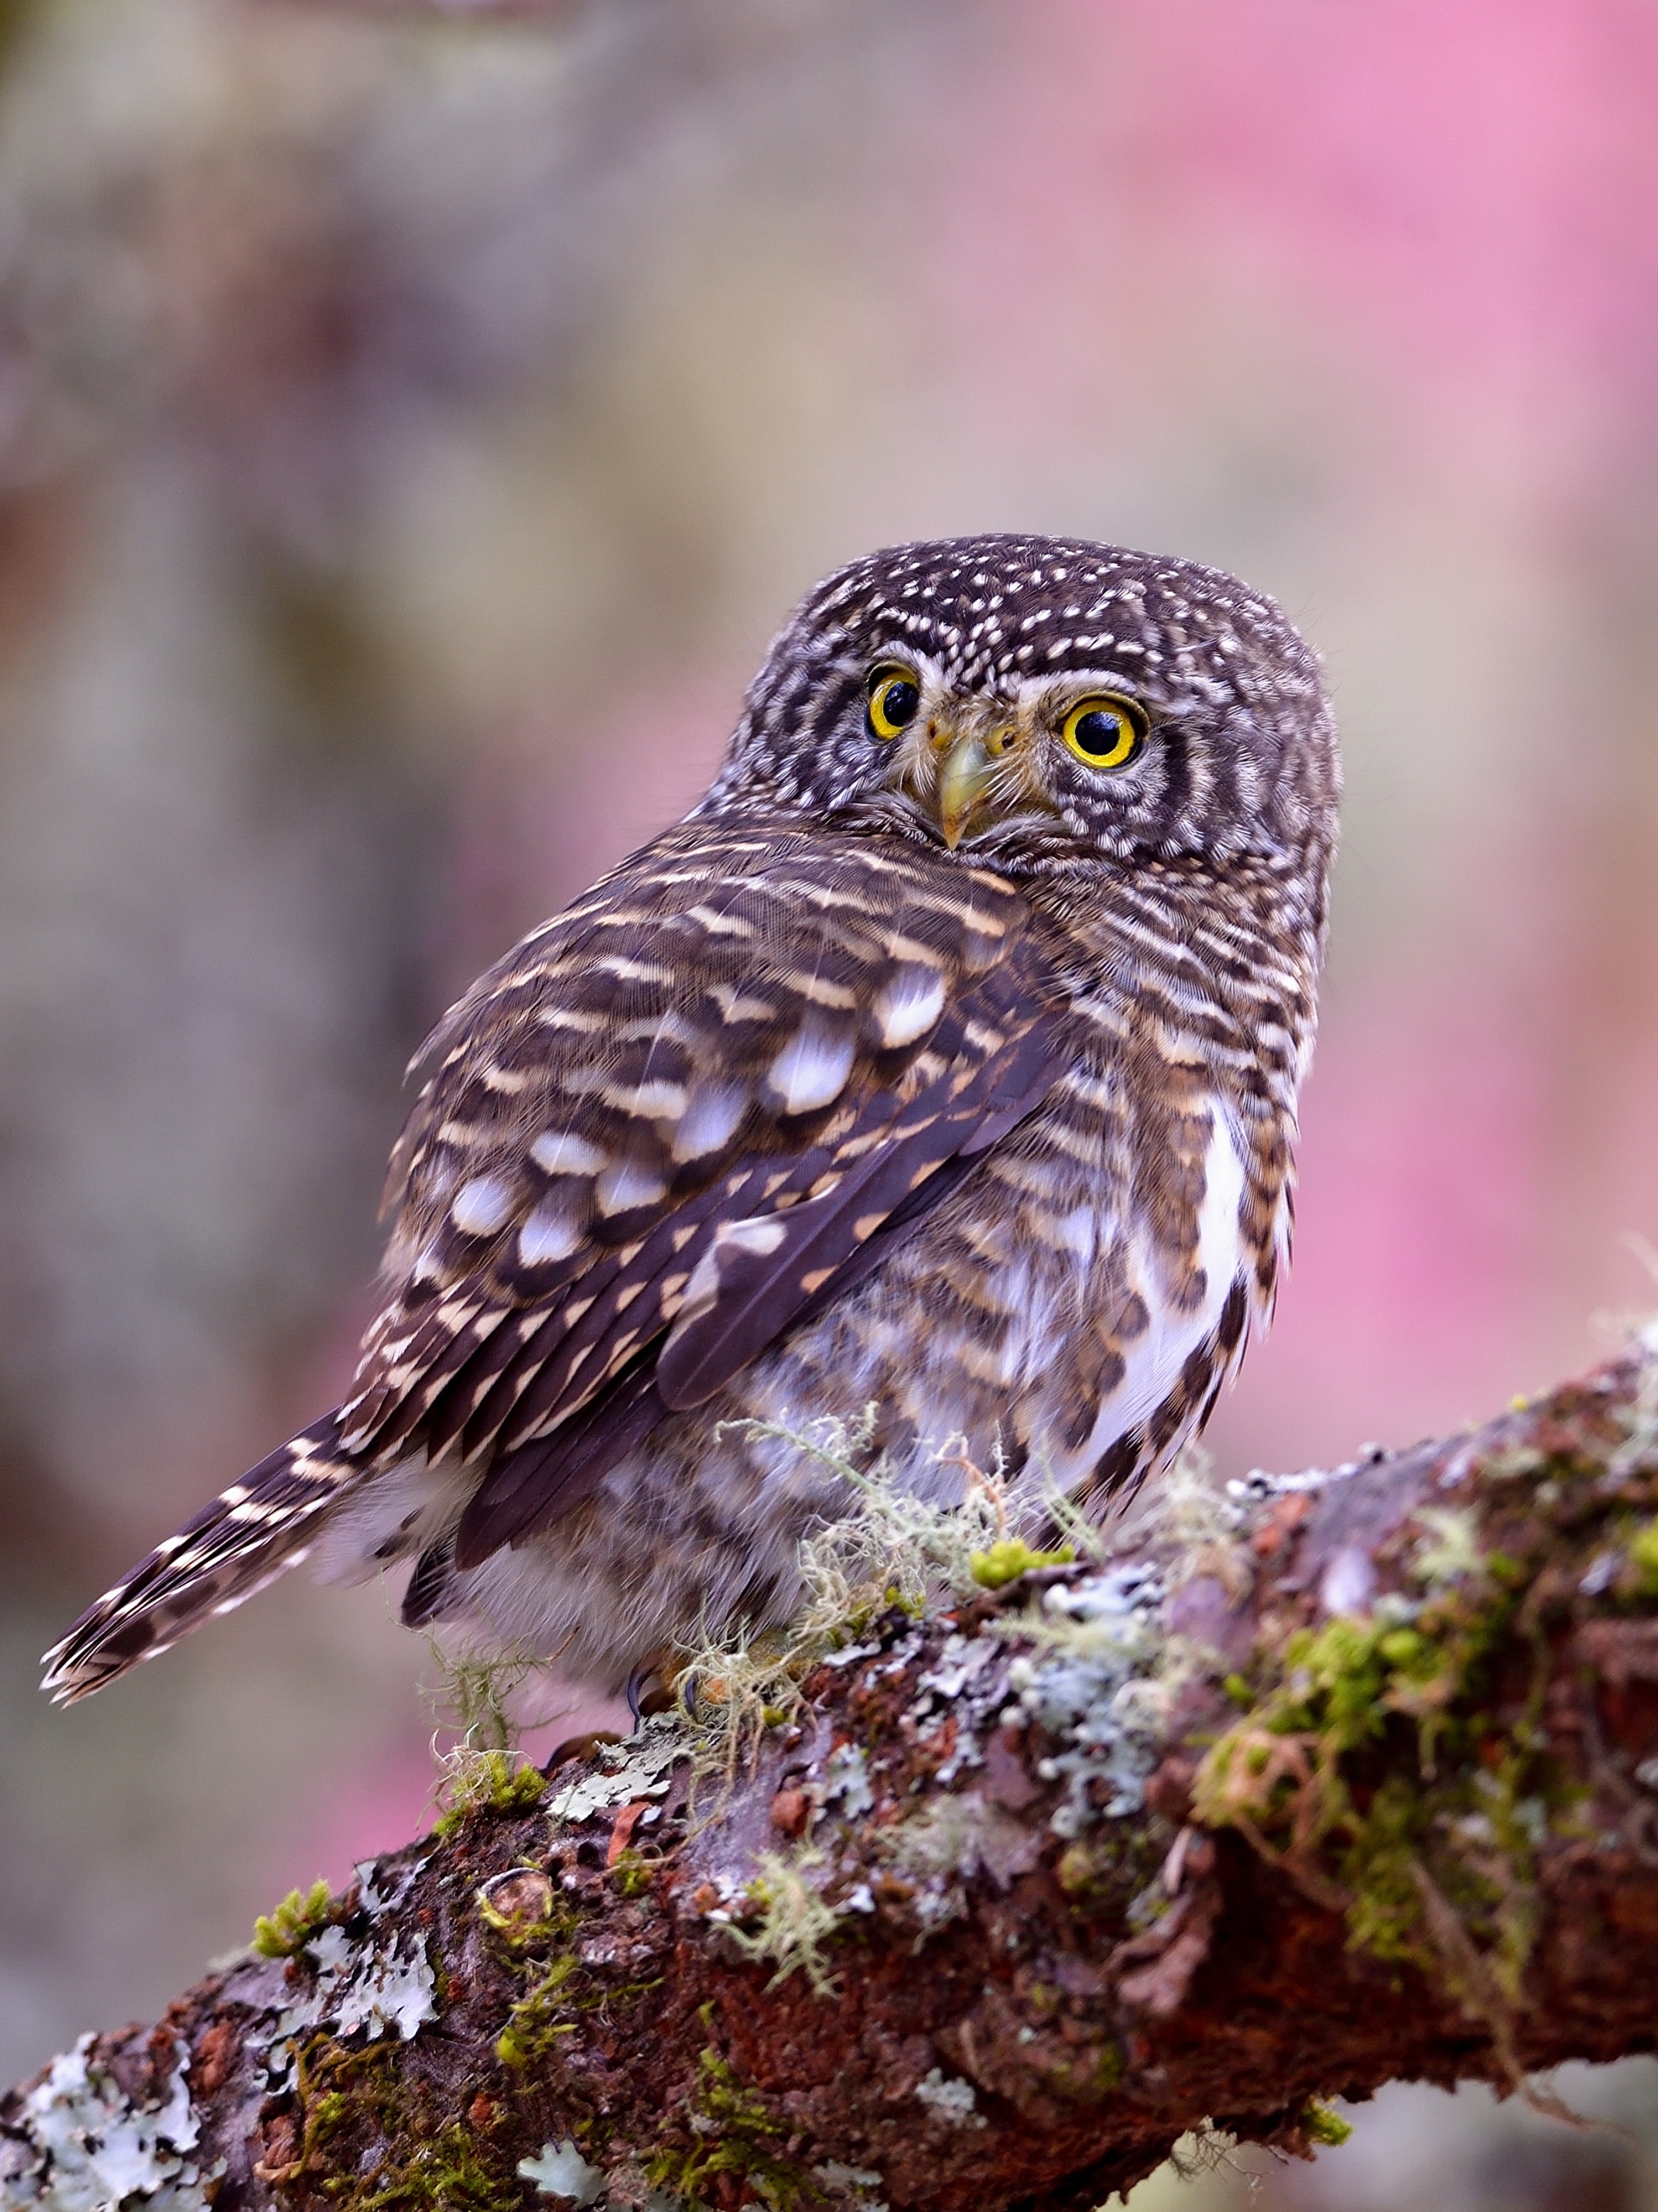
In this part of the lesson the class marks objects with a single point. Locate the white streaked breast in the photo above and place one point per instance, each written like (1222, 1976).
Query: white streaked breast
(1155, 1359)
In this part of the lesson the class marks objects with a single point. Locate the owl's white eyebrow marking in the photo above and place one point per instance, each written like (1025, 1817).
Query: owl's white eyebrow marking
(561, 1152)
(548, 1233)
(812, 1069)
(482, 1205)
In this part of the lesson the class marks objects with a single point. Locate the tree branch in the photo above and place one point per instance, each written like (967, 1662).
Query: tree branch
(1347, 1776)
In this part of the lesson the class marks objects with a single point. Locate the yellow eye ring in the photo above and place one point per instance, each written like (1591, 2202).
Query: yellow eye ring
(895, 697)
(1105, 731)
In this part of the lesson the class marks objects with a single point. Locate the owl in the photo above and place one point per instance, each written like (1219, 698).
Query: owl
(941, 1061)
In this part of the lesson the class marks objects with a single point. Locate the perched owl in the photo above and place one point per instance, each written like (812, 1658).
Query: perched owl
(943, 1059)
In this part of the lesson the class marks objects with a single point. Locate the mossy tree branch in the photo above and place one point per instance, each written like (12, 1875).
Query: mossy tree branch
(1350, 1776)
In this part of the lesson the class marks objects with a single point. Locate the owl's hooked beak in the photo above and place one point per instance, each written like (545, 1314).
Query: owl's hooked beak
(968, 763)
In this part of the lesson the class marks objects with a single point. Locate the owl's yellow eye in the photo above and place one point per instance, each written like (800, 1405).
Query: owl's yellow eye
(894, 697)
(1105, 731)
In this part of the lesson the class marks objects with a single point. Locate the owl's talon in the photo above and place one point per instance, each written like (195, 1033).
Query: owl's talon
(649, 1691)
(579, 1747)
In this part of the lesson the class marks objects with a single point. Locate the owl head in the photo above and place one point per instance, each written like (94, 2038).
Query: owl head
(1039, 704)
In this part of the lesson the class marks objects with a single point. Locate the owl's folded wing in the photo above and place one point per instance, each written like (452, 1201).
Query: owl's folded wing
(706, 1098)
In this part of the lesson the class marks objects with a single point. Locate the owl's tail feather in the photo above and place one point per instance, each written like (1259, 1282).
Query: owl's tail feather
(251, 1533)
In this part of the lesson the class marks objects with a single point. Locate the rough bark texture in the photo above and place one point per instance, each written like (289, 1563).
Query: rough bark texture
(1344, 1777)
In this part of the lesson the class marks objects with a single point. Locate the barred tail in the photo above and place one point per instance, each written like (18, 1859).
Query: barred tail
(251, 1533)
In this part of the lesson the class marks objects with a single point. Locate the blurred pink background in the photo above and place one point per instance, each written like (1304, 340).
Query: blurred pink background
(411, 430)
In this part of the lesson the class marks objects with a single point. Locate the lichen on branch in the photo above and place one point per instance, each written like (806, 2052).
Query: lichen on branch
(998, 1876)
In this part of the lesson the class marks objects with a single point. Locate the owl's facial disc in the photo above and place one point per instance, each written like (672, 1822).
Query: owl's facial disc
(961, 761)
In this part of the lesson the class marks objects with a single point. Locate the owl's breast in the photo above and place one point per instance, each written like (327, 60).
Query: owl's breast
(1082, 1287)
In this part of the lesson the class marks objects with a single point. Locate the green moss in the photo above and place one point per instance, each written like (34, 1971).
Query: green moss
(489, 1781)
(449, 2171)
(354, 2101)
(1005, 1562)
(1111, 2064)
(736, 2135)
(1333, 1691)
(285, 1932)
(1643, 1557)
(1435, 1870)
(537, 2022)
(1385, 1918)
(1320, 2123)
(1078, 1871)
(632, 1875)
(1451, 1552)
(558, 1990)
(544, 1950)
(1089, 2074)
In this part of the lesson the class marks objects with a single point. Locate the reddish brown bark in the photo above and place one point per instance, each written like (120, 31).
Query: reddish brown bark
(1001, 2011)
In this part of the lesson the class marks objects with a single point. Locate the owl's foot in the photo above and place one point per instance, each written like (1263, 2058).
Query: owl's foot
(579, 1747)
(650, 1686)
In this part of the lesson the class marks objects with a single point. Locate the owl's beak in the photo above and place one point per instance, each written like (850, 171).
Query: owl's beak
(965, 775)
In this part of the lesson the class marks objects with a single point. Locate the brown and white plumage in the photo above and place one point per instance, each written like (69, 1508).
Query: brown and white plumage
(928, 1063)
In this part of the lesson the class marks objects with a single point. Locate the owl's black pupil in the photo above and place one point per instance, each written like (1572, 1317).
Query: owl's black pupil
(1098, 732)
(898, 702)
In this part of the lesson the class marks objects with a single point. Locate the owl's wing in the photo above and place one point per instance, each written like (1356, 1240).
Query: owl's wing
(704, 1099)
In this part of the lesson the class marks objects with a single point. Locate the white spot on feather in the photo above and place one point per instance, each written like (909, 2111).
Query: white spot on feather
(551, 1232)
(908, 1006)
(561, 1152)
(760, 1235)
(1078, 1230)
(710, 1120)
(811, 1070)
(738, 1006)
(482, 1205)
(627, 1184)
(660, 1101)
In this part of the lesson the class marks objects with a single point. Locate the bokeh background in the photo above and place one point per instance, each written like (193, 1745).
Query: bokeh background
(412, 428)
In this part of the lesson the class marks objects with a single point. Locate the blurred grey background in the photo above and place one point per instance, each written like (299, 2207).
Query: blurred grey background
(412, 428)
